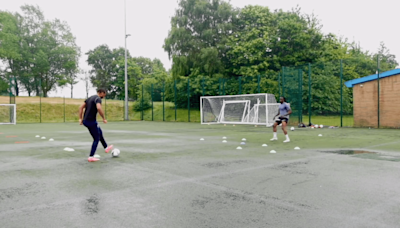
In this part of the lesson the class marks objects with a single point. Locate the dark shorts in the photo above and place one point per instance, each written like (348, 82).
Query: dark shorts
(282, 120)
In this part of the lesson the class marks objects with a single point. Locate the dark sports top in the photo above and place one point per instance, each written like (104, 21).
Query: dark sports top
(91, 108)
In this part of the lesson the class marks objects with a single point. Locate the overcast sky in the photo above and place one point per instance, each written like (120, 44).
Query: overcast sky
(95, 22)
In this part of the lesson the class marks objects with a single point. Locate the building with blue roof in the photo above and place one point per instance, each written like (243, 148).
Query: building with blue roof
(365, 100)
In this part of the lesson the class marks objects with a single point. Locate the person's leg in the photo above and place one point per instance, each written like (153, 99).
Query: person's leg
(103, 141)
(284, 126)
(96, 137)
(275, 137)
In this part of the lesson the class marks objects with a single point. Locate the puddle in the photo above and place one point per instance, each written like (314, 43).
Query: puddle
(366, 155)
(349, 152)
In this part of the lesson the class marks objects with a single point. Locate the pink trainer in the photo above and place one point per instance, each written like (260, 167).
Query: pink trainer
(109, 148)
(93, 159)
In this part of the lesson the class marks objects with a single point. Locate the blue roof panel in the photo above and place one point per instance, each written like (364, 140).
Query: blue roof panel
(351, 83)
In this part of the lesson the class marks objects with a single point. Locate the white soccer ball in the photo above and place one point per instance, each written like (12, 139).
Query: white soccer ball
(321, 126)
(292, 128)
(115, 152)
(316, 126)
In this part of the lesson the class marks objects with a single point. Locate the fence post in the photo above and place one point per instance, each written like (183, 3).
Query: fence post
(219, 87)
(163, 102)
(64, 109)
(188, 93)
(240, 85)
(258, 81)
(223, 86)
(341, 93)
(283, 81)
(279, 84)
(379, 91)
(142, 102)
(152, 106)
(309, 93)
(175, 97)
(300, 102)
(40, 97)
(203, 86)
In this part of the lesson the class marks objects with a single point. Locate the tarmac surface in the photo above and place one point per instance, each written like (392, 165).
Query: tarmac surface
(166, 177)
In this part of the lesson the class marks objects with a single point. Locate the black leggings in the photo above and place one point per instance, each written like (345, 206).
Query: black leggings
(97, 135)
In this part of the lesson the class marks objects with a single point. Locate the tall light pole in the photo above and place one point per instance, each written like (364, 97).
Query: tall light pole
(126, 72)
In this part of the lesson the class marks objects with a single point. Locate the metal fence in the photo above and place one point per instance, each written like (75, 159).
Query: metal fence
(316, 93)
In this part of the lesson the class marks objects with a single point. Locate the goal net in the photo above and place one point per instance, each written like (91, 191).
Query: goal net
(256, 109)
(8, 114)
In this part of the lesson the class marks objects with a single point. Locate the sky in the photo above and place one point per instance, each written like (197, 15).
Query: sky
(95, 22)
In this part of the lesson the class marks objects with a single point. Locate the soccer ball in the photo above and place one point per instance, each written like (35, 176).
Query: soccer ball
(321, 126)
(316, 126)
(115, 152)
(292, 128)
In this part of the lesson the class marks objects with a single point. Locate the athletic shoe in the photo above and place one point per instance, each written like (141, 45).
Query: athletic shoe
(109, 148)
(92, 159)
(274, 139)
(286, 141)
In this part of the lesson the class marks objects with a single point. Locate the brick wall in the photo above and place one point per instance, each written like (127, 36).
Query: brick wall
(366, 103)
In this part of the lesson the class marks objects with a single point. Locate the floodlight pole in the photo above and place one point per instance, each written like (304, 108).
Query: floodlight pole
(126, 72)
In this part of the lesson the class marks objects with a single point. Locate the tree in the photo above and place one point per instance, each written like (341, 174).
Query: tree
(47, 52)
(387, 61)
(103, 61)
(86, 79)
(198, 36)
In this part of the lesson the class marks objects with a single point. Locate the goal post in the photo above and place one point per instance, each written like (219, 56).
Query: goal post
(8, 114)
(254, 109)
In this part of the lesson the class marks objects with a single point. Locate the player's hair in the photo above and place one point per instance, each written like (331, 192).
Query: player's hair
(101, 91)
(284, 99)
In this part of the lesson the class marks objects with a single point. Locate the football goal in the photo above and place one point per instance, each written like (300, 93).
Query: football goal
(255, 109)
(8, 114)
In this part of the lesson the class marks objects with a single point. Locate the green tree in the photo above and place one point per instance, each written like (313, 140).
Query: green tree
(104, 72)
(198, 36)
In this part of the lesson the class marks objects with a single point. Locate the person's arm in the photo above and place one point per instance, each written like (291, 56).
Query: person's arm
(81, 112)
(100, 110)
(279, 112)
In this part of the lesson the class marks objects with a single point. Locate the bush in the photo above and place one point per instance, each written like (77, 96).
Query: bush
(139, 106)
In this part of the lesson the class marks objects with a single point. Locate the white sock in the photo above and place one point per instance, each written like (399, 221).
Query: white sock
(275, 135)
(287, 137)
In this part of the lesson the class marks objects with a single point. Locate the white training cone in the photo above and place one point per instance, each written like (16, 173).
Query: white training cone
(239, 148)
(201, 139)
(51, 140)
(43, 138)
(273, 152)
(68, 149)
(224, 141)
(320, 135)
(37, 136)
(96, 156)
(264, 145)
(242, 143)
(243, 139)
(297, 148)
(224, 137)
